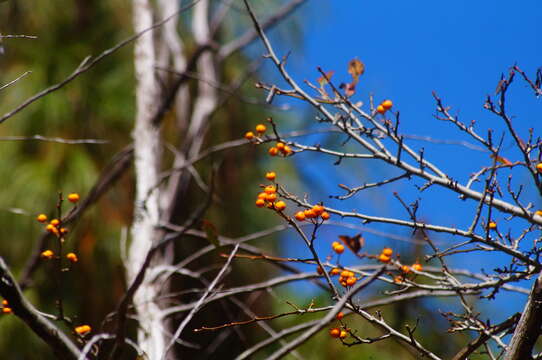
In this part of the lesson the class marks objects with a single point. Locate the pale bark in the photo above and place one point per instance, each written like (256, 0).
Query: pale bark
(147, 151)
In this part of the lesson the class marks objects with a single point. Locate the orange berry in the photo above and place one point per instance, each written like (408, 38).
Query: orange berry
(6, 310)
(41, 218)
(83, 329)
(271, 197)
(270, 205)
(351, 281)
(339, 249)
(262, 195)
(380, 109)
(273, 151)
(52, 229)
(405, 269)
(538, 212)
(287, 150)
(260, 203)
(72, 257)
(383, 258)
(335, 332)
(346, 273)
(318, 209)
(387, 104)
(387, 251)
(335, 243)
(325, 215)
(343, 334)
(398, 279)
(309, 214)
(417, 267)
(249, 135)
(270, 189)
(492, 225)
(300, 216)
(47, 254)
(64, 231)
(335, 271)
(4, 302)
(319, 270)
(73, 197)
(280, 145)
(270, 176)
(539, 167)
(55, 222)
(280, 205)
(261, 128)
(340, 315)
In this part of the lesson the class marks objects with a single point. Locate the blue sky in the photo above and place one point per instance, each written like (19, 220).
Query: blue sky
(458, 49)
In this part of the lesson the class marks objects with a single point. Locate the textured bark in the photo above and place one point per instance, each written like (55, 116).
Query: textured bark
(147, 150)
(528, 328)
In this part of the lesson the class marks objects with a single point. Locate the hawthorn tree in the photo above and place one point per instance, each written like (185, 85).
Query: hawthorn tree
(157, 318)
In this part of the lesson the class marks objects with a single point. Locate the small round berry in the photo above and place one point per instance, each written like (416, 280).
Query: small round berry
(387, 251)
(83, 329)
(539, 167)
(383, 258)
(335, 271)
(398, 279)
(335, 243)
(300, 216)
(262, 195)
(261, 128)
(380, 109)
(270, 176)
(335, 332)
(387, 104)
(538, 212)
(41, 218)
(417, 266)
(351, 281)
(309, 214)
(271, 197)
(260, 203)
(405, 269)
(339, 315)
(64, 231)
(346, 273)
(492, 225)
(51, 228)
(47, 254)
(55, 222)
(325, 215)
(318, 209)
(339, 249)
(343, 334)
(287, 150)
(6, 310)
(280, 205)
(249, 135)
(280, 146)
(72, 257)
(73, 197)
(273, 151)
(4, 302)
(270, 189)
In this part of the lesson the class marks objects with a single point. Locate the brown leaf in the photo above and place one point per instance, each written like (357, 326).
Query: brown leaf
(356, 68)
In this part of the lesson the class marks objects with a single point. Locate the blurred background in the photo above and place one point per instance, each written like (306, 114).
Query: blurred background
(458, 49)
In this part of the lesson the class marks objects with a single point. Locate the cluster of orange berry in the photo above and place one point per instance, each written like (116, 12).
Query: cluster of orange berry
(280, 148)
(384, 106)
(5, 307)
(385, 255)
(268, 197)
(337, 247)
(405, 270)
(53, 226)
(347, 278)
(260, 130)
(83, 329)
(313, 214)
(337, 332)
